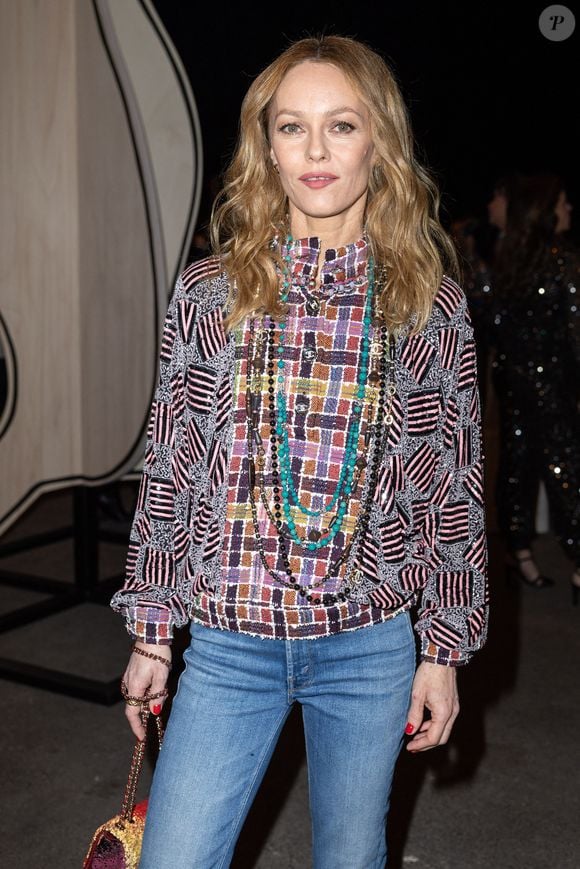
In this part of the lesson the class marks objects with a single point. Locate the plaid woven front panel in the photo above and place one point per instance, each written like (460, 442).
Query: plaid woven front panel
(322, 355)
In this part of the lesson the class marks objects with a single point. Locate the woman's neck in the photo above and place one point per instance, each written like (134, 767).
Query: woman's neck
(332, 231)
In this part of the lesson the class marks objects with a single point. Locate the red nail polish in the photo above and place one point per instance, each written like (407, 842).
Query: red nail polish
(409, 728)
(156, 710)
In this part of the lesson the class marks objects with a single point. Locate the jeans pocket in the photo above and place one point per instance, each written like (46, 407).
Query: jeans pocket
(398, 632)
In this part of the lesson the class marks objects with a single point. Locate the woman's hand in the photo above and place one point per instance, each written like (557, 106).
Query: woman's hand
(435, 689)
(146, 676)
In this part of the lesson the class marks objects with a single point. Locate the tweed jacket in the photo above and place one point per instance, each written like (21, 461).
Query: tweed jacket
(425, 542)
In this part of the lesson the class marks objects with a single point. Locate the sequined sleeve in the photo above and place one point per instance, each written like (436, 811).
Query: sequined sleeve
(571, 301)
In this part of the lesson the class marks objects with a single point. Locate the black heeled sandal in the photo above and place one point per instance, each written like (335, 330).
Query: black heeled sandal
(513, 565)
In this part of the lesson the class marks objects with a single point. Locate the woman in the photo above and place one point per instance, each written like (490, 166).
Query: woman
(537, 338)
(477, 288)
(314, 466)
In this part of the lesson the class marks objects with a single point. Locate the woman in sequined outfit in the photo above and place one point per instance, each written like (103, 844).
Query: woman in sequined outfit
(537, 373)
(313, 472)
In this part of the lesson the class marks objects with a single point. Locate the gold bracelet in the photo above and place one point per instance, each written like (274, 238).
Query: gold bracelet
(140, 701)
(151, 655)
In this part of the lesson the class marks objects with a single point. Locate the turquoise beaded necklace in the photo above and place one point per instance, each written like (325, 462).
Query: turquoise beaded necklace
(345, 482)
(382, 380)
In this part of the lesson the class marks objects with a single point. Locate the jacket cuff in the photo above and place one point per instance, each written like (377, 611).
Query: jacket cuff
(149, 624)
(433, 654)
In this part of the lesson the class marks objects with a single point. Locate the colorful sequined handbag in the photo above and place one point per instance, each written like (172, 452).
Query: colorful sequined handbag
(117, 844)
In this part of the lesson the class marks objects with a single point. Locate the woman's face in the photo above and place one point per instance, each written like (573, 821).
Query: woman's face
(497, 209)
(562, 212)
(321, 144)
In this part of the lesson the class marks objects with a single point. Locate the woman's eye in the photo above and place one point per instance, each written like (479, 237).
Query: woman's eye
(289, 128)
(343, 127)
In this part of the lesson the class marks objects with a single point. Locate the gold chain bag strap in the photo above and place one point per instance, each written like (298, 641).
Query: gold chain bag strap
(117, 843)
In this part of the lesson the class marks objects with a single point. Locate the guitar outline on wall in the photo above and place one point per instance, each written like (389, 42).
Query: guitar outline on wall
(9, 407)
(164, 268)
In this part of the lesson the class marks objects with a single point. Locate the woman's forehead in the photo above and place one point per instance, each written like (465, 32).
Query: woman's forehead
(312, 85)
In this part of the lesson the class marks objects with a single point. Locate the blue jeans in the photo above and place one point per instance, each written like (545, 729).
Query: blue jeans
(233, 699)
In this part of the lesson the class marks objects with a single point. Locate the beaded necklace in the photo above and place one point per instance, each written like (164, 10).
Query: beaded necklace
(282, 486)
(254, 402)
(345, 482)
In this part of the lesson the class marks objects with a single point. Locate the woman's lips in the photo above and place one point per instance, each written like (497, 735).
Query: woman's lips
(316, 181)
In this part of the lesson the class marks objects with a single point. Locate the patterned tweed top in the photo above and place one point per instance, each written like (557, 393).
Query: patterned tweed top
(191, 553)
(322, 359)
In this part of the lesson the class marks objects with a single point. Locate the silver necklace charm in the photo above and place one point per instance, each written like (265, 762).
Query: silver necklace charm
(312, 306)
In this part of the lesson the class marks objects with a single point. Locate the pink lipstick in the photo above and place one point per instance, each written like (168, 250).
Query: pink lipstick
(315, 180)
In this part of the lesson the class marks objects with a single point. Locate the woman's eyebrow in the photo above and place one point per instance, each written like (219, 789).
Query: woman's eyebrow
(337, 111)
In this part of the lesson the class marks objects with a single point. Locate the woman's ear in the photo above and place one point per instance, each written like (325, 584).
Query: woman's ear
(273, 159)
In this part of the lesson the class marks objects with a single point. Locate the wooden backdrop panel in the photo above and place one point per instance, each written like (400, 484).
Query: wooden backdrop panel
(39, 242)
(89, 244)
(166, 120)
(118, 322)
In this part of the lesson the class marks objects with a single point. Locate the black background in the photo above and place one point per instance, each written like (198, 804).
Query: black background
(486, 91)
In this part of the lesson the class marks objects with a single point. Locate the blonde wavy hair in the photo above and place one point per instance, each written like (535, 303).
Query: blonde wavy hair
(411, 249)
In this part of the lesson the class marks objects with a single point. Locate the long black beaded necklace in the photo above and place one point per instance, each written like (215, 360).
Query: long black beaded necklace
(374, 441)
(342, 496)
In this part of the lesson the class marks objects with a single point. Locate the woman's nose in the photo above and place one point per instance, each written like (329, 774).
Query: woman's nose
(316, 148)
